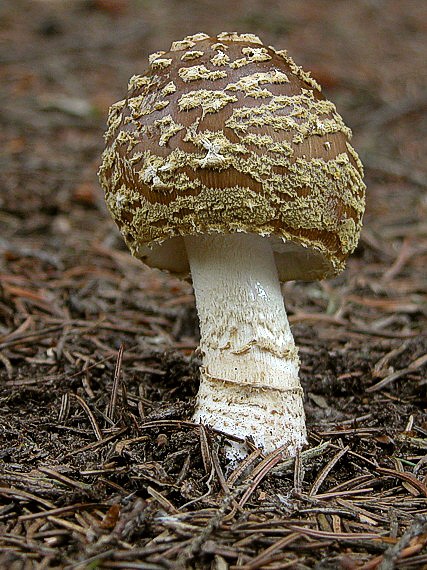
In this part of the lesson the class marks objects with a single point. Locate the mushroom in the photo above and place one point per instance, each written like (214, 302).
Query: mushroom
(226, 160)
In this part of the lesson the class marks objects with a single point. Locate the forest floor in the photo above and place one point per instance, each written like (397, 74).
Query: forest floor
(100, 464)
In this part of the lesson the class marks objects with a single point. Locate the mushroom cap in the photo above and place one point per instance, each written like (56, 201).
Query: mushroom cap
(223, 134)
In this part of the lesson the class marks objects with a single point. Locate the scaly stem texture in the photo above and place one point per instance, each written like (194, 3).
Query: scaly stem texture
(249, 377)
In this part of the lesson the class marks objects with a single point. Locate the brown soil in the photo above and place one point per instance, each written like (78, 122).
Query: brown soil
(100, 465)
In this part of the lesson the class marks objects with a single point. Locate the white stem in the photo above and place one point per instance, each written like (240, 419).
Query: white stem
(249, 382)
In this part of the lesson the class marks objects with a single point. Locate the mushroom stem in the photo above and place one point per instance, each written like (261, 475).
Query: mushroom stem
(249, 383)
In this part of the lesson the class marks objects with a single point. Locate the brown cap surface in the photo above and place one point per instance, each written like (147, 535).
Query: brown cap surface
(227, 135)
